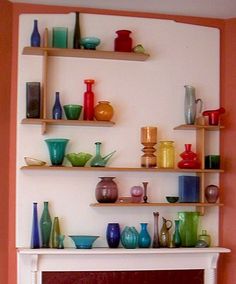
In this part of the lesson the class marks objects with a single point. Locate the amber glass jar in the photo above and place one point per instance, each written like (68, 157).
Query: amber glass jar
(166, 154)
(103, 111)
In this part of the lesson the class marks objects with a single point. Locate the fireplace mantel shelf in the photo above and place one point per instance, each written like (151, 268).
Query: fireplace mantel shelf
(34, 261)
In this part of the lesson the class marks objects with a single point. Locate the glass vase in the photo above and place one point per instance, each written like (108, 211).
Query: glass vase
(123, 41)
(113, 235)
(156, 241)
(176, 236)
(45, 226)
(98, 160)
(88, 100)
(106, 190)
(35, 240)
(205, 237)
(212, 193)
(35, 38)
(57, 109)
(57, 147)
(189, 159)
(166, 154)
(129, 238)
(188, 228)
(190, 105)
(103, 111)
(55, 233)
(144, 239)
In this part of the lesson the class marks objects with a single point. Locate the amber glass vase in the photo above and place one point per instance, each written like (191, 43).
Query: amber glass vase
(149, 140)
(103, 111)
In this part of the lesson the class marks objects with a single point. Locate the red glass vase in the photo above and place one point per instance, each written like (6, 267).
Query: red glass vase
(89, 100)
(189, 159)
(123, 41)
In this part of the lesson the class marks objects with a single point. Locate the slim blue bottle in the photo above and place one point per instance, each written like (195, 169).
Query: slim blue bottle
(57, 109)
(35, 36)
(35, 241)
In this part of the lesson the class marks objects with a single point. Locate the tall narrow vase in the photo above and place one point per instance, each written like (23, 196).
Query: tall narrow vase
(35, 240)
(35, 36)
(55, 233)
(176, 235)
(88, 100)
(144, 239)
(57, 149)
(45, 226)
(113, 235)
(156, 241)
(57, 109)
(190, 105)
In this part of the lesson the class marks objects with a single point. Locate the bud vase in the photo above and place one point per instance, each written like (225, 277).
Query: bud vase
(88, 100)
(55, 233)
(57, 109)
(35, 36)
(113, 235)
(35, 241)
(156, 241)
(144, 239)
(45, 226)
(176, 235)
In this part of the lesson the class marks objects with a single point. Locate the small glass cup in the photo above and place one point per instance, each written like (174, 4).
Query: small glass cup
(59, 37)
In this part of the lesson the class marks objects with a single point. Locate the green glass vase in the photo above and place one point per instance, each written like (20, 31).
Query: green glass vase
(45, 226)
(188, 228)
(55, 233)
(176, 236)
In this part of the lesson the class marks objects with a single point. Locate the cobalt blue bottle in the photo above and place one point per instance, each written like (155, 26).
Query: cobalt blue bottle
(35, 241)
(57, 109)
(35, 36)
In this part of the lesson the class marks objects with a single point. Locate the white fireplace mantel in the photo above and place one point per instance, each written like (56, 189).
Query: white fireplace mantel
(32, 262)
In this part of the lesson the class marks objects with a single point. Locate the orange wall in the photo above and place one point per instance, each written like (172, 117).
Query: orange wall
(228, 73)
(228, 150)
(5, 84)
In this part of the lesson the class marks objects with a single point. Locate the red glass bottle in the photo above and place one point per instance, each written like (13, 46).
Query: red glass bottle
(123, 42)
(89, 100)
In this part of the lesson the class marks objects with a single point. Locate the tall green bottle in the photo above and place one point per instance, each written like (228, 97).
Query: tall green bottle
(45, 226)
(55, 233)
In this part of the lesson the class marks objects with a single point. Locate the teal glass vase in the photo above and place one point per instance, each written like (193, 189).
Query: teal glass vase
(98, 160)
(144, 239)
(57, 147)
(45, 226)
(129, 238)
(55, 233)
(176, 236)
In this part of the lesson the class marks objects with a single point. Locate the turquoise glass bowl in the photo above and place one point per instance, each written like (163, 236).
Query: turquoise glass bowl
(90, 42)
(83, 241)
(57, 147)
(78, 159)
(172, 199)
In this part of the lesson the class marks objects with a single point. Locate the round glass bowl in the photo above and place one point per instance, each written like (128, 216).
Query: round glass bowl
(172, 199)
(83, 241)
(90, 42)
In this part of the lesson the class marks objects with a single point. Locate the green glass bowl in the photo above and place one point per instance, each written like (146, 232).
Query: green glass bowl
(83, 241)
(78, 159)
(90, 42)
(172, 199)
(72, 112)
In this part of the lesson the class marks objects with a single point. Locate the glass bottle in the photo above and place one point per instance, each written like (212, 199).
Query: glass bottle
(106, 190)
(113, 235)
(35, 36)
(123, 41)
(156, 241)
(76, 40)
(55, 232)
(176, 236)
(61, 241)
(89, 100)
(57, 109)
(144, 239)
(166, 154)
(45, 226)
(205, 237)
(35, 241)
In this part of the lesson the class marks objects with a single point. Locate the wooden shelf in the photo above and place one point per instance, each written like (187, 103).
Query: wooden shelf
(154, 204)
(196, 127)
(45, 122)
(83, 53)
(118, 169)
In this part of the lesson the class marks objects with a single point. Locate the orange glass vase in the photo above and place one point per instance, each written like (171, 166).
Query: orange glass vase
(103, 111)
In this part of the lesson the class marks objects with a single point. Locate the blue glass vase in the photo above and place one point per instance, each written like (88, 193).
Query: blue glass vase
(129, 238)
(113, 235)
(57, 109)
(144, 239)
(176, 236)
(45, 226)
(35, 36)
(35, 241)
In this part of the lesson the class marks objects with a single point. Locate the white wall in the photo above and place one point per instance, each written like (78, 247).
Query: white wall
(142, 93)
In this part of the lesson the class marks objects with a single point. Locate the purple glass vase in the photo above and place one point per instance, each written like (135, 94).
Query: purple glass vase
(106, 190)
(212, 193)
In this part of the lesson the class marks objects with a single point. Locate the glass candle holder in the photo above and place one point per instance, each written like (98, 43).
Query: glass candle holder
(149, 140)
